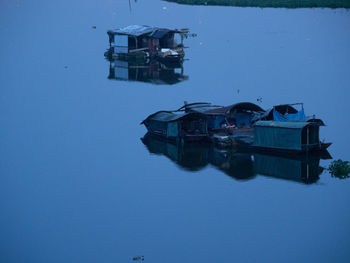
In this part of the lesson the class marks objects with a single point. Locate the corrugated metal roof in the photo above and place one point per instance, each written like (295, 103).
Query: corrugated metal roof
(134, 30)
(202, 108)
(285, 124)
(137, 30)
(159, 33)
(218, 111)
(241, 106)
(167, 116)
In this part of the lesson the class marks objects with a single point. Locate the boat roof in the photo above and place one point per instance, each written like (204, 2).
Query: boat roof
(138, 30)
(238, 106)
(168, 116)
(198, 107)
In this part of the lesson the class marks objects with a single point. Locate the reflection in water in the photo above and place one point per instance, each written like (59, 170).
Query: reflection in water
(236, 164)
(152, 71)
(269, 3)
(306, 170)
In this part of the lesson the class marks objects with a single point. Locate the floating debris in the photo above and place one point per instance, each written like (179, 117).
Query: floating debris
(340, 169)
(138, 258)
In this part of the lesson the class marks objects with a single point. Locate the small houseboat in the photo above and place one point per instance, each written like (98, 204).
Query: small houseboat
(141, 42)
(178, 126)
(300, 136)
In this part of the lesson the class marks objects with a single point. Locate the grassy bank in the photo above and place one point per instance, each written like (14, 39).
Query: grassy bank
(269, 3)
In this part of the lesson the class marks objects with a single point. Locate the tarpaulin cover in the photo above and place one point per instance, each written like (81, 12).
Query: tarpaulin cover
(300, 115)
(215, 122)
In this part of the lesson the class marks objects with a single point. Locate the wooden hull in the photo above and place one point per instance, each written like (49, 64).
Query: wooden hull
(320, 149)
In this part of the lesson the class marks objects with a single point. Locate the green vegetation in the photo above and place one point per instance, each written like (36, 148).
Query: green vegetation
(269, 3)
(340, 169)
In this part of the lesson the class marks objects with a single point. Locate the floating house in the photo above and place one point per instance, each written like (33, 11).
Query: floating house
(239, 125)
(298, 136)
(178, 126)
(142, 42)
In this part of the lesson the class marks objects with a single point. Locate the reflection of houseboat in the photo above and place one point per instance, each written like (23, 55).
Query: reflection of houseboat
(146, 42)
(239, 165)
(153, 72)
(306, 169)
(178, 126)
(187, 157)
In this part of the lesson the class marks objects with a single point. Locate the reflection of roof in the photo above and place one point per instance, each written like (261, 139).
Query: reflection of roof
(284, 124)
(167, 116)
(136, 30)
(237, 106)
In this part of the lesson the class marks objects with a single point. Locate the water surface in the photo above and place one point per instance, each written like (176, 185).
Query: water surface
(78, 185)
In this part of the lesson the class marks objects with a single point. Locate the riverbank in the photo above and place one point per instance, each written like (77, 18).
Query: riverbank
(270, 3)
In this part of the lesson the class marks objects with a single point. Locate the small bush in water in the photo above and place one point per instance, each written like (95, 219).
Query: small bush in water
(340, 169)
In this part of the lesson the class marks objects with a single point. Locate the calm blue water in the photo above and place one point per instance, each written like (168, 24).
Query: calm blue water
(78, 185)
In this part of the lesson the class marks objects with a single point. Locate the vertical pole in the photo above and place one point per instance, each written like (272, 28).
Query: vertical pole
(307, 138)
